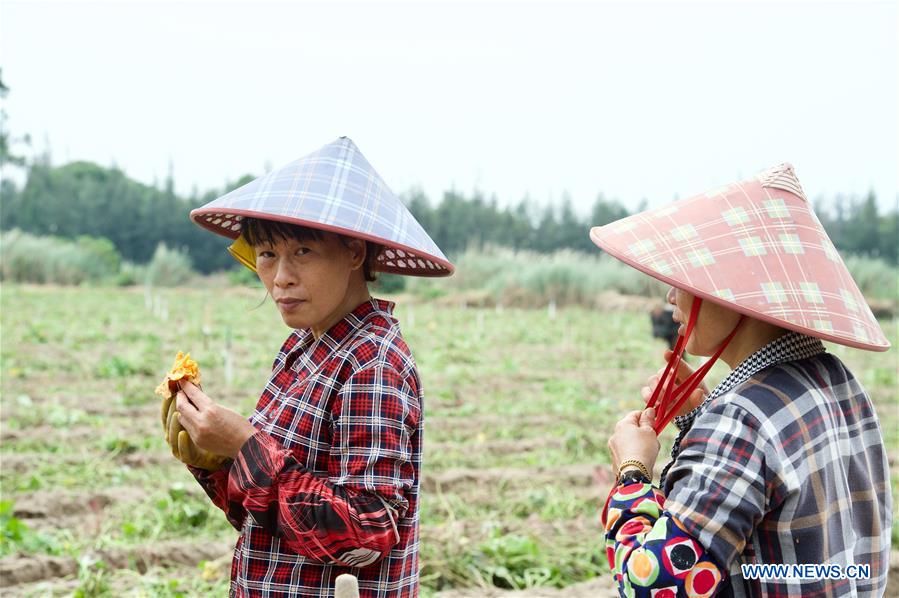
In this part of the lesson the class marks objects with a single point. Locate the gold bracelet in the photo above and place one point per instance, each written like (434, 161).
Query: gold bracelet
(640, 467)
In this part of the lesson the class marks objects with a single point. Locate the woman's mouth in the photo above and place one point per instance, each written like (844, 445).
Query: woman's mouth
(289, 304)
(681, 326)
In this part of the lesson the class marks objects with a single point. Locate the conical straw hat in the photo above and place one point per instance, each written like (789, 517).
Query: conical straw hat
(755, 247)
(334, 189)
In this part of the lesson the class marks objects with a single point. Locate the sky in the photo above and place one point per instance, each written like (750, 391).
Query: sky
(637, 100)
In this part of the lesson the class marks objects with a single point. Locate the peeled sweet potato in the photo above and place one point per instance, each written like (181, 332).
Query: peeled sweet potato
(183, 448)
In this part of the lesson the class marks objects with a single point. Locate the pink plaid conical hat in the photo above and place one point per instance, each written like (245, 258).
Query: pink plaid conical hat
(755, 247)
(334, 189)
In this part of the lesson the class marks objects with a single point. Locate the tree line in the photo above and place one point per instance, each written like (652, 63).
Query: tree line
(83, 198)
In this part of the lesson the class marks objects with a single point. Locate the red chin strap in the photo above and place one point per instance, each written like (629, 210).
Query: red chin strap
(667, 404)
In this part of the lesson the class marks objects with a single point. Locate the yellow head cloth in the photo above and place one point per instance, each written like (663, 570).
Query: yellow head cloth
(243, 252)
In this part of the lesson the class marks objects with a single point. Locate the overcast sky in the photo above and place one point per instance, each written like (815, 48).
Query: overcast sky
(634, 99)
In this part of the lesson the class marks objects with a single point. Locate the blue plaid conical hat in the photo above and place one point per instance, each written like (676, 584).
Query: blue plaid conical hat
(334, 189)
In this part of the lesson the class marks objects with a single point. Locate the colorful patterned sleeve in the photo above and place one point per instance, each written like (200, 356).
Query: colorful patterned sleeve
(349, 517)
(215, 483)
(649, 551)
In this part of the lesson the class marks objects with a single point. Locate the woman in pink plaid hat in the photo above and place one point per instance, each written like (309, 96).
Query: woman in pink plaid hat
(781, 464)
(323, 479)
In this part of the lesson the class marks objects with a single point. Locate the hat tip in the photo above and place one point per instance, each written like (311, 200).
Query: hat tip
(783, 176)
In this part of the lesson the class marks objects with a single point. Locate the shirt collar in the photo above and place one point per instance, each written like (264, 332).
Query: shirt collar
(791, 346)
(335, 335)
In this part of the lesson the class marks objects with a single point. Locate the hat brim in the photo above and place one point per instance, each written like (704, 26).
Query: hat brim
(394, 258)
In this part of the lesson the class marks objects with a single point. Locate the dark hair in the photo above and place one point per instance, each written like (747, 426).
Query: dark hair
(267, 232)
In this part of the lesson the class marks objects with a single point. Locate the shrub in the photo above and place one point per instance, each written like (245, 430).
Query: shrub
(105, 260)
(241, 275)
(168, 268)
(875, 277)
(567, 277)
(527, 278)
(389, 283)
(130, 275)
(30, 258)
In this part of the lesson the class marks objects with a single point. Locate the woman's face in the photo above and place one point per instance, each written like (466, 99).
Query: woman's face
(310, 280)
(712, 327)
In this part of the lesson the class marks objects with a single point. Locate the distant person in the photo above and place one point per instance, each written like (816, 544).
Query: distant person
(663, 324)
(324, 477)
(784, 461)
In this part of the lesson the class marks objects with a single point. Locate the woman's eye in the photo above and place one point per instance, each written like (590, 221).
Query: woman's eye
(265, 254)
(303, 250)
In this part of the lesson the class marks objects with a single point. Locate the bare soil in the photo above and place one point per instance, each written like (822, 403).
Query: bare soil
(16, 570)
(570, 475)
(594, 588)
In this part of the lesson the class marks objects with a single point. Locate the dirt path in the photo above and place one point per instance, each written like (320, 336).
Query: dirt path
(15, 570)
(571, 475)
(599, 587)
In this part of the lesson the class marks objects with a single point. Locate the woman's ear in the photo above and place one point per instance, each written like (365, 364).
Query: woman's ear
(356, 248)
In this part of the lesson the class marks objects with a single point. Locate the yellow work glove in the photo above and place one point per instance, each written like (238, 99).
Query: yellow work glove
(183, 448)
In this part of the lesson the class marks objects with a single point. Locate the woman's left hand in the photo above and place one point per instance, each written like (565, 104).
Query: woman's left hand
(212, 427)
(684, 371)
(634, 438)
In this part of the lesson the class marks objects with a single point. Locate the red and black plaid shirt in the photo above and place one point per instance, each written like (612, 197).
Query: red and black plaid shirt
(329, 484)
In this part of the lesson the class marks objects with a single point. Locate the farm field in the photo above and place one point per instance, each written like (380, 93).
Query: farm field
(519, 404)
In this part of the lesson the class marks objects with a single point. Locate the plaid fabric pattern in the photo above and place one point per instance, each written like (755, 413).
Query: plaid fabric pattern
(787, 466)
(784, 464)
(707, 243)
(333, 189)
(789, 347)
(330, 483)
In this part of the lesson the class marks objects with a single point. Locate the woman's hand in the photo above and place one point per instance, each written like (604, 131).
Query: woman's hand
(683, 372)
(635, 438)
(212, 427)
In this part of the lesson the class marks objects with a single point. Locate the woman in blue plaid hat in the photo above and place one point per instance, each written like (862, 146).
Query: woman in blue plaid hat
(324, 477)
(782, 464)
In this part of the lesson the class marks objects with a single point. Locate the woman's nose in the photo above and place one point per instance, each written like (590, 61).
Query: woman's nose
(283, 276)
(670, 297)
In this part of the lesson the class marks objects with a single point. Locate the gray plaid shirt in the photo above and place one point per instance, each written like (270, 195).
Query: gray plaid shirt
(784, 462)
